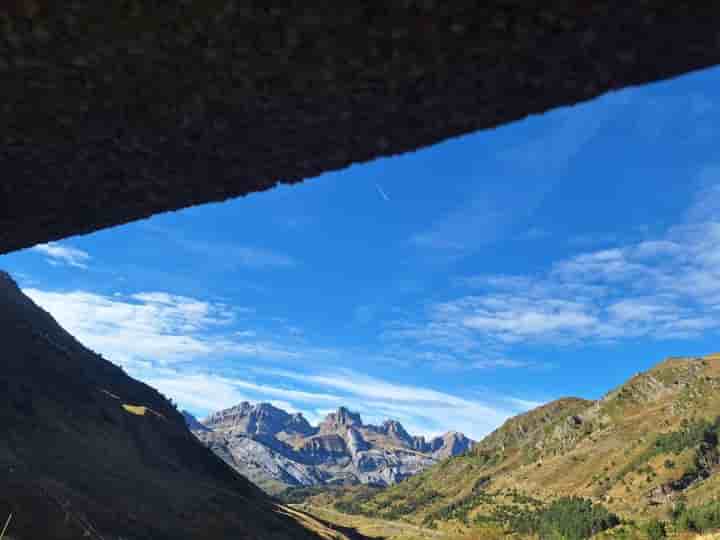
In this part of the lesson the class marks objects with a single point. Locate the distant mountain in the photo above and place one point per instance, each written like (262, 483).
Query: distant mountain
(641, 450)
(276, 449)
(88, 452)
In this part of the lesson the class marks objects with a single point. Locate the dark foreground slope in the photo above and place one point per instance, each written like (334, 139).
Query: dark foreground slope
(75, 462)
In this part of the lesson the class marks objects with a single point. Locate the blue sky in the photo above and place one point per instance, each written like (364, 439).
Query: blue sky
(448, 288)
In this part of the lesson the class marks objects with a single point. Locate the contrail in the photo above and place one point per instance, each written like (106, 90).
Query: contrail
(382, 193)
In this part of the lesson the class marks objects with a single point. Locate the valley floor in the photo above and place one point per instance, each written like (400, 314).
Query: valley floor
(356, 527)
(372, 529)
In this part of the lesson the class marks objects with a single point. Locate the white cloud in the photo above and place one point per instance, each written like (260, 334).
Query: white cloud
(58, 254)
(153, 327)
(422, 410)
(160, 338)
(664, 288)
(197, 392)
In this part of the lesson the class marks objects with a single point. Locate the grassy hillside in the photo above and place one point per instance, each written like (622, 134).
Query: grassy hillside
(640, 451)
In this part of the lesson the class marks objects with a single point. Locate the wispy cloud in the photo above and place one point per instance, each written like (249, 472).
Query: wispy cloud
(491, 213)
(155, 327)
(61, 254)
(422, 409)
(664, 288)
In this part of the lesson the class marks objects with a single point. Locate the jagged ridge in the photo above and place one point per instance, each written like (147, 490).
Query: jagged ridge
(276, 449)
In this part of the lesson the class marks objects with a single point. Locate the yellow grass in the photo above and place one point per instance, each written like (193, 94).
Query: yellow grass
(311, 523)
(373, 528)
(140, 410)
(137, 410)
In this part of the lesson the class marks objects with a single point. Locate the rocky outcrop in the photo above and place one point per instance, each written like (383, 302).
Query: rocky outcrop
(337, 421)
(261, 419)
(162, 105)
(451, 444)
(275, 449)
(395, 431)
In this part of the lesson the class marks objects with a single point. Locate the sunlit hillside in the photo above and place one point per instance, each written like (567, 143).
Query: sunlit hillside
(642, 450)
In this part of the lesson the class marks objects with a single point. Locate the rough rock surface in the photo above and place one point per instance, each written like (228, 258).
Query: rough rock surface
(275, 449)
(113, 111)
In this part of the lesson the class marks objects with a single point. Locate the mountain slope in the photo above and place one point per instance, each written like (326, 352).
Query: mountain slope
(276, 449)
(643, 446)
(87, 451)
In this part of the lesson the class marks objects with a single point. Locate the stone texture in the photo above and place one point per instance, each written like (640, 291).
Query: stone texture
(284, 450)
(113, 111)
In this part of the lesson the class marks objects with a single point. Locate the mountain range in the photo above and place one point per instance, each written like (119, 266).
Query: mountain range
(644, 450)
(276, 449)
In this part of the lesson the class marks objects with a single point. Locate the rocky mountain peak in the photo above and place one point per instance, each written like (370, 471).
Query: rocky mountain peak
(396, 430)
(273, 447)
(298, 423)
(340, 420)
(453, 443)
(268, 410)
(348, 418)
(260, 419)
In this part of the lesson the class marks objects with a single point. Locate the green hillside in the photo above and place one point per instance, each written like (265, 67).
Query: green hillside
(644, 449)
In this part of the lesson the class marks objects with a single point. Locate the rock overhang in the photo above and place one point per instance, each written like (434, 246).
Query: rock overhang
(114, 111)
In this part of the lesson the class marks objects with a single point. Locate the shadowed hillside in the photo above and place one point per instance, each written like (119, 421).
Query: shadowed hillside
(87, 451)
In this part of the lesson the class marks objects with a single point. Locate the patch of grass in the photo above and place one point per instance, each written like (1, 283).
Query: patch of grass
(693, 434)
(137, 410)
(699, 518)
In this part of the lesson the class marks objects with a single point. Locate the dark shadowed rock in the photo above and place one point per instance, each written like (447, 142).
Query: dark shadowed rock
(160, 105)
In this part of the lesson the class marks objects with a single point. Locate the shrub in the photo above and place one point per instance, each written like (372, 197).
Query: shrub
(655, 530)
(574, 518)
(699, 518)
(567, 518)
